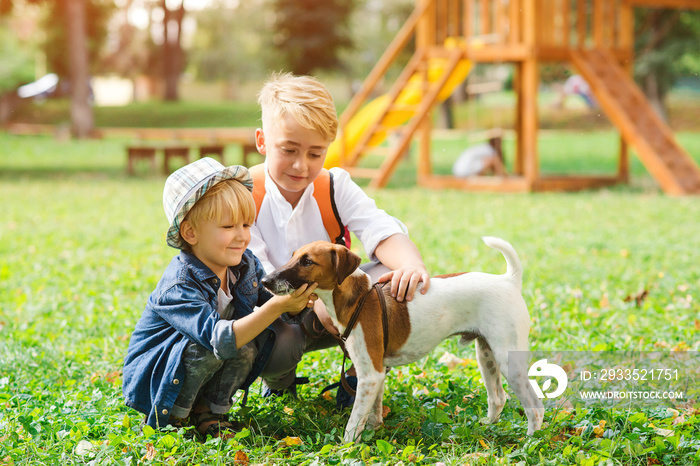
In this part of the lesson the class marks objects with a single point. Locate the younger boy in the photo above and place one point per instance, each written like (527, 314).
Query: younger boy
(299, 122)
(198, 340)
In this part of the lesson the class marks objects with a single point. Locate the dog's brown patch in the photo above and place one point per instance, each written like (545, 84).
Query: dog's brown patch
(346, 298)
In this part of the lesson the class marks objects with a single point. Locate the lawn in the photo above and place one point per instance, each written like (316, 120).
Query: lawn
(82, 245)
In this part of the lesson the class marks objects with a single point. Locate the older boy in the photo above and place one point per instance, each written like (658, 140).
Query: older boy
(299, 122)
(199, 340)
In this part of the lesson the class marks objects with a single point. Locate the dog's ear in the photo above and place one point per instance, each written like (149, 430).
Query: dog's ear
(345, 262)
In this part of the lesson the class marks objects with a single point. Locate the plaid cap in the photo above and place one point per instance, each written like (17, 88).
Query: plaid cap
(188, 184)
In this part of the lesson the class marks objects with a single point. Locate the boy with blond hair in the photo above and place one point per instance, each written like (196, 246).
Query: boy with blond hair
(299, 122)
(198, 340)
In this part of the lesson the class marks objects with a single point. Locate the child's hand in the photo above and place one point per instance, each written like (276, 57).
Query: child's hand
(297, 300)
(405, 280)
(324, 318)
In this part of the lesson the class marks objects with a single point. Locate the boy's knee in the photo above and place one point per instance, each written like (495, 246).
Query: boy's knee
(247, 354)
(200, 359)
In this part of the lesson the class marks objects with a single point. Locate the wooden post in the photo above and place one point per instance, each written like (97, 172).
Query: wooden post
(566, 24)
(485, 17)
(598, 23)
(425, 167)
(514, 22)
(468, 18)
(625, 43)
(529, 81)
(581, 23)
(425, 30)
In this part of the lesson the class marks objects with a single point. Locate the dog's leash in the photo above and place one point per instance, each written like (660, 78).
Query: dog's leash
(351, 325)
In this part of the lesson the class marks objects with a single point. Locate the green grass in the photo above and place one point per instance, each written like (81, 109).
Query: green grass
(82, 245)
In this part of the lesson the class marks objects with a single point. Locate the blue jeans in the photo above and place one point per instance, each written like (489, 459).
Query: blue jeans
(210, 380)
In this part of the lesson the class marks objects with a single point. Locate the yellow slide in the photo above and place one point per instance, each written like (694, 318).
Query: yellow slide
(410, 96)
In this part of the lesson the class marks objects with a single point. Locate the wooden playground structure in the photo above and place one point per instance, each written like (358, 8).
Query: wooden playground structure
(596, 36)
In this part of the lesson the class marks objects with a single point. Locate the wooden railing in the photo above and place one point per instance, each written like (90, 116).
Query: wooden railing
(483, 21)
(581, 24)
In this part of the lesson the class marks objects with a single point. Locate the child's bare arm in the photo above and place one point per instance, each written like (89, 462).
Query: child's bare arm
(402, 256)
(250, 326)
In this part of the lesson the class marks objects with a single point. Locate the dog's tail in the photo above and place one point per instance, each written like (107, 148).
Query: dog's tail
(514, 270)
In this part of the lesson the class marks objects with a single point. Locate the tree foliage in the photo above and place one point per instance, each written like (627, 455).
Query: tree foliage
(56, 24)
(16, 58)
(667, 46)
(229, 44)
(311, 33)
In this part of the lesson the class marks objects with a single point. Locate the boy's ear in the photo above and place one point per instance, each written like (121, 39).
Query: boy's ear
(260, 141)
(188, 233)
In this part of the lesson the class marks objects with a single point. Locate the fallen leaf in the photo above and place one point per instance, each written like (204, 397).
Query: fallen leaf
(682, 346)
(113, 377)
(420, 390)
(679, 420)
(287, 410)
(599, 430)
(638, 298)
(663, 432)
(289, 441)
(483, 444)
(385, 411)
(579, 431)
(604, 302)
(450, 360)
(241, 458)
(697, 324)
(84, 447)
(327, 396)
(651, 461)
(442, 404)
(150, 452)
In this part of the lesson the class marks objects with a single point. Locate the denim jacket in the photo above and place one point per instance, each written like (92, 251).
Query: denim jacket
(183, 308)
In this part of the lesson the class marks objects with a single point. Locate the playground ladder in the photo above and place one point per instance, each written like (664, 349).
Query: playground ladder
(417, 66)
(641, 127)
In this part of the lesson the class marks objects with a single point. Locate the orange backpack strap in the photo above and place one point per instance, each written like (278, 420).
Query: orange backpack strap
(325, 198)
(324, 193)
(257, 172)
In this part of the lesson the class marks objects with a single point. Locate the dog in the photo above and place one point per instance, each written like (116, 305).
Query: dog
(476, 306)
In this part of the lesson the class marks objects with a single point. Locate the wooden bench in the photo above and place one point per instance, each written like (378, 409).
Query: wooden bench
(136, 153)
(177, 142)
(216, 150)
(171, 152)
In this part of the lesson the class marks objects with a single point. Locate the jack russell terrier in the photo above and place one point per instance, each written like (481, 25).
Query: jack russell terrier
(488, 308)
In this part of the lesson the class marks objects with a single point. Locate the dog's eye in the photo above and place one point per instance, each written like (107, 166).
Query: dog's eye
(306, 262)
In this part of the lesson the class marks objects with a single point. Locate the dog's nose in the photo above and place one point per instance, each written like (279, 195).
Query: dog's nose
(267, 282)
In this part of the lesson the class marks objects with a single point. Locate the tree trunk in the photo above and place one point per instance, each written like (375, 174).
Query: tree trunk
(655, 96)
(172, 50)
(82, 119)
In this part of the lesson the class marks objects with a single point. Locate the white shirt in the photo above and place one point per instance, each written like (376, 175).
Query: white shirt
(280, 229)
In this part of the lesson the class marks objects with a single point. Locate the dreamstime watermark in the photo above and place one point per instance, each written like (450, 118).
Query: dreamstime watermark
(632, 377)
